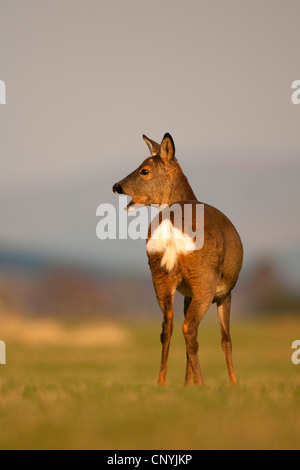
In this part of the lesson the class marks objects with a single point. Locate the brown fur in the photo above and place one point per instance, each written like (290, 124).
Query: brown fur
(204, 276)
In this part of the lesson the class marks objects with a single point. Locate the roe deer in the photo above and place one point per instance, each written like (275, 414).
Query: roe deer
(203, 276)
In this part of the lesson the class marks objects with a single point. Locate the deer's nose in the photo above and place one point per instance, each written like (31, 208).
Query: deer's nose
(117, 188)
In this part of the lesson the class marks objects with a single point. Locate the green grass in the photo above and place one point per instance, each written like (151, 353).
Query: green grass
(58, 397)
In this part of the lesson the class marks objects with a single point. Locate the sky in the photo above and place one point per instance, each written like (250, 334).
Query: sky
(85, 80)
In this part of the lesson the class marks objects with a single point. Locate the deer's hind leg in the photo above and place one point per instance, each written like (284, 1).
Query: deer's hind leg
(189, 369)
(224, 320)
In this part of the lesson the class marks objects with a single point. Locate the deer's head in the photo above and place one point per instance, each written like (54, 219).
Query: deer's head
(156, 179)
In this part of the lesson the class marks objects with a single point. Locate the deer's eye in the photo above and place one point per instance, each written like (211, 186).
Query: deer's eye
(144, 172)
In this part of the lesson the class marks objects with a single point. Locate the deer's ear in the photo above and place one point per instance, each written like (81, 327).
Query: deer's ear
(154, 147)
(167, 149)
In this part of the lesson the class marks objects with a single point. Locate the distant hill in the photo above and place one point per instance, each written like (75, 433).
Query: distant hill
(32, 284)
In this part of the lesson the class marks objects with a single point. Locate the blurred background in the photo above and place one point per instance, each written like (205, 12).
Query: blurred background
(85, 80)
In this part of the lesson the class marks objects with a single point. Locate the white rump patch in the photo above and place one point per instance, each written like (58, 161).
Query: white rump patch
(171, 241)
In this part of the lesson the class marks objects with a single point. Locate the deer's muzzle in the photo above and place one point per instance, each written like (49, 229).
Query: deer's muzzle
(117, 188)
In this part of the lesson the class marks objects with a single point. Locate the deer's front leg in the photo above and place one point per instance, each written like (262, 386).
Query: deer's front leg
(195, 312)
(165, 337)
(165, 288)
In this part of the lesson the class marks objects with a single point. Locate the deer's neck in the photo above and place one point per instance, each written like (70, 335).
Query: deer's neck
(181, 189)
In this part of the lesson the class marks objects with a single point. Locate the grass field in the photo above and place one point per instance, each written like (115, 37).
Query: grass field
(94, 387)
